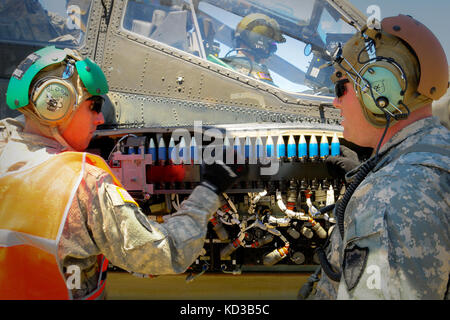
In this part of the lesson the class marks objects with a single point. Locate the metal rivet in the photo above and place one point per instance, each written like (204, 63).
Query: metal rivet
(88, 69)
(396, 28)
(432, 90)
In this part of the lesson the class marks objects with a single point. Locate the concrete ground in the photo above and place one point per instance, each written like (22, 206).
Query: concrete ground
(247, 286)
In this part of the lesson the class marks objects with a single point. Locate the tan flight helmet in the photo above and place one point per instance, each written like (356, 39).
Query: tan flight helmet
(407, 70)
(50, 84)
(260, 33)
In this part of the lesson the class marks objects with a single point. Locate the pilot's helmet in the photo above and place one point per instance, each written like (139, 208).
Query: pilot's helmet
(49, 85)
(82, 5)
(410, 69)
(259, 33)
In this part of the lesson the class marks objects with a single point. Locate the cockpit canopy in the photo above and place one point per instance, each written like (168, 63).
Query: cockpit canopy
(207, 29)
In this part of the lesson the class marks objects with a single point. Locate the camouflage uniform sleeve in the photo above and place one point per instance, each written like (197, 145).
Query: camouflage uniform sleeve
(326, 288)
(134, 243)
(397, 240)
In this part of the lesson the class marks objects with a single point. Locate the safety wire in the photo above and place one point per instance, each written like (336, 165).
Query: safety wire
(118, 142)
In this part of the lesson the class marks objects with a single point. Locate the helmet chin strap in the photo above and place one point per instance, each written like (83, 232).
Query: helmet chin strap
(58, 137)
(47, 130)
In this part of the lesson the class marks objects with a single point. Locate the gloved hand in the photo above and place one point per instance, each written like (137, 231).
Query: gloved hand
(220, 176)
(338, 166)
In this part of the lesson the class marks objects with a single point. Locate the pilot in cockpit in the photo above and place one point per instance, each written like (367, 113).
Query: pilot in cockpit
(255, 39)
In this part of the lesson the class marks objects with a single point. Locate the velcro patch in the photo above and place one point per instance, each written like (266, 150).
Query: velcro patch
(355, 260)
(119, 196)
(25, 65)
(125, 196)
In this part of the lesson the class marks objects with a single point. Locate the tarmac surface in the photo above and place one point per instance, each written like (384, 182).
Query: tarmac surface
(247, 286)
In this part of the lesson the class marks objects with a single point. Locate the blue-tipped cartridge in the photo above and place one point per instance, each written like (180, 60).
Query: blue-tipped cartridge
(335, 146)
(194, 151)
(248, 148)
(226, 143)
(269, 147)
(228, 153)
(173, 152)
(239, 150)
(313, 148)
(324, 147)
(281, 148)
(162, 150)
(259, 148)
(291, 148)
(302, 148)
(152, 149)
(183, 151)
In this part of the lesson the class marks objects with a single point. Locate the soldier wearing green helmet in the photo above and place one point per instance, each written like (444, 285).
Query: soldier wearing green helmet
(63, 212)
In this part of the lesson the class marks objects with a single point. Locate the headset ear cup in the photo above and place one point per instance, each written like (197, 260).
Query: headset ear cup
(53, 99)
(383, 78)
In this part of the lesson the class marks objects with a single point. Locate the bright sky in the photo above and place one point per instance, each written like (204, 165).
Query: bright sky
(432, 13)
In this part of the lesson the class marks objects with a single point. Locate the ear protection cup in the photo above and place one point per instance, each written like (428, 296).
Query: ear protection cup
(381, 87)
(53, 99)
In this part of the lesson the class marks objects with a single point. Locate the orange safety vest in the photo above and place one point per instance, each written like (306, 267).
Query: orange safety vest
(34, 204)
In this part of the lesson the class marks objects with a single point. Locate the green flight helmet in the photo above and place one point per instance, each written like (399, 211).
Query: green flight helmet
(54, 82)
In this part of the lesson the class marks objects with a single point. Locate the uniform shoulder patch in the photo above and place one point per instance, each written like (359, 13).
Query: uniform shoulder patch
(120, 196)
(355, 260)
(125, 196)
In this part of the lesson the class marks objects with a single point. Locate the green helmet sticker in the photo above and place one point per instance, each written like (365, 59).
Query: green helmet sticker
(92, 77)
(19, 84)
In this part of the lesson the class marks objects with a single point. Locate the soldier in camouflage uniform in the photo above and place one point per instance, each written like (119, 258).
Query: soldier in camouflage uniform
(255, 40)
(103, 219)
(392, 239)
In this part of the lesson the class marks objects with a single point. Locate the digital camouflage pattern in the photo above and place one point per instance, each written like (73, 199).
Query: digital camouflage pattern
(400, 214)
(101, 221)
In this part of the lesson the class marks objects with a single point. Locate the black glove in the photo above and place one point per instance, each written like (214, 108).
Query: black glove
(338, 166)
(219, 176)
